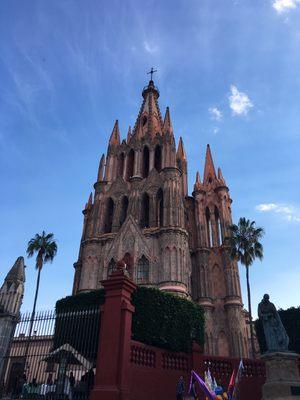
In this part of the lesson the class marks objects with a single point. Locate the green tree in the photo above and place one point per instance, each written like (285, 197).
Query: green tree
(45, 247)
(245, 247)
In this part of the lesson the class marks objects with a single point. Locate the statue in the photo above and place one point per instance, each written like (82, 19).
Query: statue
(275, 334)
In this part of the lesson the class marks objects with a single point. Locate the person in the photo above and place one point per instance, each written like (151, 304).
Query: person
(72, 384)
(275, 334)
(180, 389)
(193, 391)
(72, 379)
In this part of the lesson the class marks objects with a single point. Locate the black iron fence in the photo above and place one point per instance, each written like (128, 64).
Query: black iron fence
(57, 361)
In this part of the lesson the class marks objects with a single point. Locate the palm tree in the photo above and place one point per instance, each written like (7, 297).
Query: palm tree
(244, 246)
(46, 248)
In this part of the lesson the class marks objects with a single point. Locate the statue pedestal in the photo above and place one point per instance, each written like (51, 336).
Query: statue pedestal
(282, 376)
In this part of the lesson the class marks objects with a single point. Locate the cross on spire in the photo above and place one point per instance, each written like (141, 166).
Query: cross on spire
(151, 72)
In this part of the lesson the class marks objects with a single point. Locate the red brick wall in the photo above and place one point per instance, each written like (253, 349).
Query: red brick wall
(155, 372)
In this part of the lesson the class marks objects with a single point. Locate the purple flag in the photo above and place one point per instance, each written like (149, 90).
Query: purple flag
(203, 386)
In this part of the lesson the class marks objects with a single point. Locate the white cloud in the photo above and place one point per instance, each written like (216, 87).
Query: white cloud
(239, 102)
(215, 113)
(282, 6)
(216, 130)
(150, 48)
(287, 211)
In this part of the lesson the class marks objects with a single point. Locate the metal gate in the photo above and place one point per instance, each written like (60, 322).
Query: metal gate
(57, 361)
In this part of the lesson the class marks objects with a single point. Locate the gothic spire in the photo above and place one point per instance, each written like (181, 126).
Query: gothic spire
(101, 169)
(198, 183)
(209, 169)
(220, 176)
(167, 127)
(149, 120)
(129, 134)
(90, 202)
(17, 272)
(115, 135)
(180, 151)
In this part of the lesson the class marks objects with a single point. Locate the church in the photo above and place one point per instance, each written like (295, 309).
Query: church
(141, 212)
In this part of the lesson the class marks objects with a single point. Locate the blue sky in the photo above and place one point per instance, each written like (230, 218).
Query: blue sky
(228, 69)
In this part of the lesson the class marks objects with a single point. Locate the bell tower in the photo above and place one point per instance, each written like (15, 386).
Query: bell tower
(11, 296)
(215, 277)
(137, 210)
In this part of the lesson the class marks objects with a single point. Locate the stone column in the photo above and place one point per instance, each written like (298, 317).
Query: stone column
(151, 159)
(112, 380)
(282, 376)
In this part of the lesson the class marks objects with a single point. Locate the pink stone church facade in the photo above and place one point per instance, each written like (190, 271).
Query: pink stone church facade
(141, 212)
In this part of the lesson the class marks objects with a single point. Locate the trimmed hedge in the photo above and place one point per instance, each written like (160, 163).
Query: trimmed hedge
(160, 319)
(291, 321)
(166, 321)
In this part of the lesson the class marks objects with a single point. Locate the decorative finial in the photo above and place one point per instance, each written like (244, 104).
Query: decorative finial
(151, 72)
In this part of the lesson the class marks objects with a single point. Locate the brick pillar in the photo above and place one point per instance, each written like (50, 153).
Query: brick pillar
(112, 378)
(197, 358)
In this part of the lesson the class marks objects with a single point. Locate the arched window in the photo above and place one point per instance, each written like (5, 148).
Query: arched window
(123, 211)
(130, 165)
(160, 208)
(144, 220)
(157, 158)
(109, 214)
(143, 270)
(144, 121)
(218, 226)
(208, 228)
(111, 267)
(121, 160)
(145, 168)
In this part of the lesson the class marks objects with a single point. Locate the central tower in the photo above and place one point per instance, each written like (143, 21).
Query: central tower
(137, 213)
(141, 212)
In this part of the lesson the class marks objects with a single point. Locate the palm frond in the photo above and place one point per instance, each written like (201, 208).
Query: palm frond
(45, 246)
(243, 242)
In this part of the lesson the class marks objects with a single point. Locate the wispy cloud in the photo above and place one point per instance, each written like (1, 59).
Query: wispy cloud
(216, 130)
(239, 102)
(282, 6)
(215, 113)
(287, 211)
(150, 48)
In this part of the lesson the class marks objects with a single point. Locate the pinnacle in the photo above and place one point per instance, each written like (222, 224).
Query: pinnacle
(149, 120)
(167, 126)
(89, 204)
(101, 168)
(17, 271)
(209, 169)
(115, 135)
(180, 151)
(198, 183)
(220, 176)
(129, 134)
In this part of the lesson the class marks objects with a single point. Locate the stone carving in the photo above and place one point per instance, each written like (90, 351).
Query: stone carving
(275, 334)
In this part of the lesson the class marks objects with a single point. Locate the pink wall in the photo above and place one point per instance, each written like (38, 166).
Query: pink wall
(155, 372)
